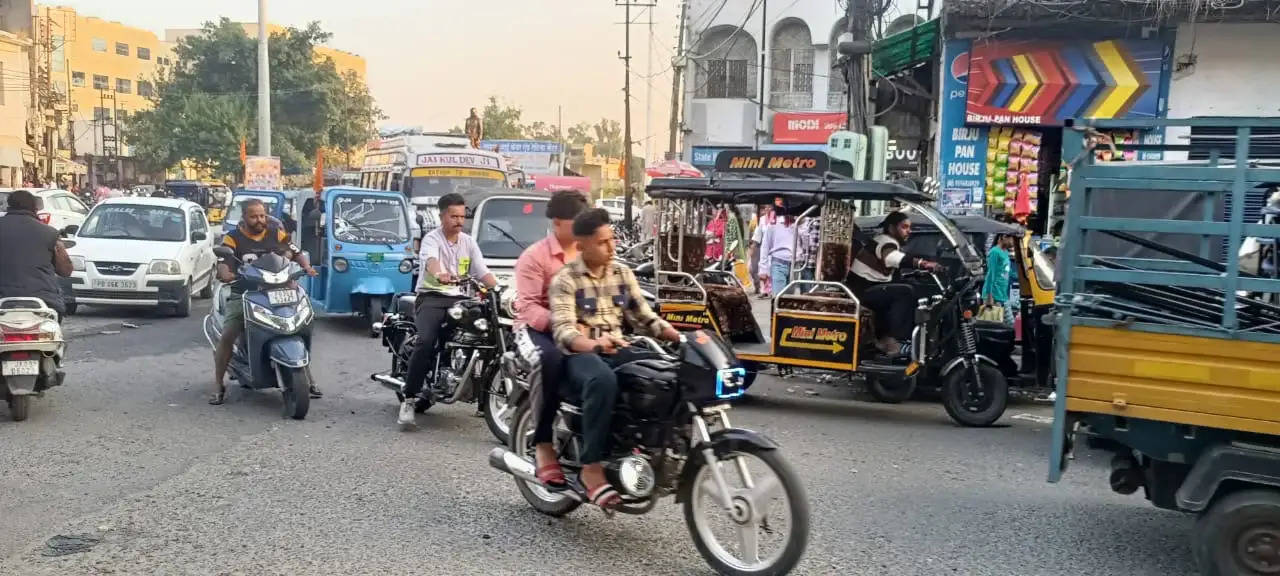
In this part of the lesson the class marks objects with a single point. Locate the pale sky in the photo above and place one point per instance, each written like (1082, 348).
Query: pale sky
(431, 60)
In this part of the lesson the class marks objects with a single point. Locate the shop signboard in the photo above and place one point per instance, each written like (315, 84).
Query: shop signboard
(705, 156)
(533, 156)
(962, 149)
(262, 173)
(800, 164)
(806, 127)
(1044, 83)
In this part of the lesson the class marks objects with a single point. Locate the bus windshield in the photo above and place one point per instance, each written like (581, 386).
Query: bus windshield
(440, 181)
(366, 219)
(509, 225)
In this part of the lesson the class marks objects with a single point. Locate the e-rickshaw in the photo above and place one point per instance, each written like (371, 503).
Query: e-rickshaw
(1025, 362)
(365, 256)
(1166, 352)
(212, 195)
(284, 205)
(821, 323)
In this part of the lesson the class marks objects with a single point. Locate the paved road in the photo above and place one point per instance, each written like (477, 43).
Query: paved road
(129, 452)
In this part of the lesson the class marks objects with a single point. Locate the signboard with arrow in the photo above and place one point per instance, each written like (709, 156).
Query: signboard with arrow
(825, 341)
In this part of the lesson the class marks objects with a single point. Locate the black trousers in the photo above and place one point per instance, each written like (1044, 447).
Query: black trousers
(546, 399)
(894, 306)
(429, 317)
(593, 381)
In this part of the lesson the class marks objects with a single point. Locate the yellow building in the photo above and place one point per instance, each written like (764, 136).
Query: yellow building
(15, 106)
(343, 61)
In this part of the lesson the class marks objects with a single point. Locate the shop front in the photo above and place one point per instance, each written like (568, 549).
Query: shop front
(1002, 110)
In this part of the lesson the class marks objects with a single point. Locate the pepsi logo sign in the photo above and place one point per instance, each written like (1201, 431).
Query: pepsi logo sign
(960, 68)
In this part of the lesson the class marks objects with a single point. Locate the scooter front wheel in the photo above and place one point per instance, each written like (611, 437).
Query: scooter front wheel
(295, 387)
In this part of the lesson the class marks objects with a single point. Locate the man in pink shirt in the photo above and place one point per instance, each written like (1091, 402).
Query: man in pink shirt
(534, 271)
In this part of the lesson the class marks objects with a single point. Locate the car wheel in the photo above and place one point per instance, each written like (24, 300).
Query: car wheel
(71, 309)
(207, 292)
(183, 308)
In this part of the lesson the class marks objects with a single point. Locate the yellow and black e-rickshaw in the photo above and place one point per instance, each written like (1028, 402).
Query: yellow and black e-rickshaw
(819, 323)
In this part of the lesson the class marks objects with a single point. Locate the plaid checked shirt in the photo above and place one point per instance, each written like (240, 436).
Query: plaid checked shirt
(602, 304)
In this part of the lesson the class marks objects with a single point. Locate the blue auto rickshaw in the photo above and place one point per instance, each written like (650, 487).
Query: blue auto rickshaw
(286, 206)
(359, 240)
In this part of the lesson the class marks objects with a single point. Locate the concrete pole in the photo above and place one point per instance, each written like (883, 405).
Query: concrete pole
(264, 83)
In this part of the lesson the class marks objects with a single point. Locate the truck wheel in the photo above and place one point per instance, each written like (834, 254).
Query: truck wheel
(1240, 535)
(18, 407)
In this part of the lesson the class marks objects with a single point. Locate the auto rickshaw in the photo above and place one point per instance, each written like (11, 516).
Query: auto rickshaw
(212, 195)
(365, 256)
(1166, 353)
(820, 323)
(1026, 362)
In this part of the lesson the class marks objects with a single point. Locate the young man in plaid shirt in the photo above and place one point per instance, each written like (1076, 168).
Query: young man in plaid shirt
(590, 299)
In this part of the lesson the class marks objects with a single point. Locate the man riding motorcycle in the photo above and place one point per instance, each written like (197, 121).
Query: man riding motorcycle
(31, 254)
(256, 234)
(447, 253)
(535, 269)
(590, 298)
(871, 279)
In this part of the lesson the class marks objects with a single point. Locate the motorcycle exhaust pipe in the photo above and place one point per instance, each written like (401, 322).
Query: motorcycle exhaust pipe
(468, 379)
(507, 461)
(389, 381)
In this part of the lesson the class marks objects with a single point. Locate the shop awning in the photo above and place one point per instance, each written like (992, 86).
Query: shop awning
(906, 49)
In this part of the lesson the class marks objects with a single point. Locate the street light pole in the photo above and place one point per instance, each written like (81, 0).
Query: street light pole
(264, 83)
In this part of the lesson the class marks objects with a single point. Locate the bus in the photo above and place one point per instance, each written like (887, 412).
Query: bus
(427, 166)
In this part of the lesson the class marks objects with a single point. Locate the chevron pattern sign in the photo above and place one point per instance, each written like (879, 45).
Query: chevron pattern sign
(1045, 83)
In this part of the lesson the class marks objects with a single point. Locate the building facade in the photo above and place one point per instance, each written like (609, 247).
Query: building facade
(15, 109)
(803, 96)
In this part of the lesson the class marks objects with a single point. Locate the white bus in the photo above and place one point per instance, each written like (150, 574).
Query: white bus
(427, 166)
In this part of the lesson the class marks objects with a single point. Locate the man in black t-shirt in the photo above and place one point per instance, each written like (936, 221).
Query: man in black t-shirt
(256, 234)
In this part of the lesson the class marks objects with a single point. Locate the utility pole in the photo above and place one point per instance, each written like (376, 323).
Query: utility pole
(648, 91)
(564, 154)
(677, 74)
(764, 50)
(626, 97)
(264, 83)
(855, 45)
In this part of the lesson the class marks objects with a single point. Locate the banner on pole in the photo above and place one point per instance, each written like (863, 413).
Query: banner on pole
(262, 173)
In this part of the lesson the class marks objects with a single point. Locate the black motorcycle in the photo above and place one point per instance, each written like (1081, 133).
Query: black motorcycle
(671, 435)
(469, 363)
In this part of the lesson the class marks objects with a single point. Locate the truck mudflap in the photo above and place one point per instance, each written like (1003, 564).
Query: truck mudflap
(1252, 464)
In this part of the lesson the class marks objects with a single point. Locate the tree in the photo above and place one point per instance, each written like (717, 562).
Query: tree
(579, 134)
(207, 104)
(608, 138)
(502, 122)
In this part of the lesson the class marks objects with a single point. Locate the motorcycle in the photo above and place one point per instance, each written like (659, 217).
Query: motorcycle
(670, 434)
(274, 351)
(480, 337)
(30, 352)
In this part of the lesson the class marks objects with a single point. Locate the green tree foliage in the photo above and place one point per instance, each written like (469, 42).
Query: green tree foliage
(209, 103)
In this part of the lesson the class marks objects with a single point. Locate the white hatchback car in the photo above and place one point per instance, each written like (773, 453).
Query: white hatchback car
(58, 208)
(153, 252)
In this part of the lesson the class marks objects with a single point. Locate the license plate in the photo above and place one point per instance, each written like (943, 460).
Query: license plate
(115, 284)
(20, 368)
(375, 257)
(281, 297)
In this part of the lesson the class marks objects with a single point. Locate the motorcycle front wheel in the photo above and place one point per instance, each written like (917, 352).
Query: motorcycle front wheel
(976, 404)
(765, 529)
(497, 412)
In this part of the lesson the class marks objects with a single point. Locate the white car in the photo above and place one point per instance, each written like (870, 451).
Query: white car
(152, 252)
(616, 207)
(58, 208)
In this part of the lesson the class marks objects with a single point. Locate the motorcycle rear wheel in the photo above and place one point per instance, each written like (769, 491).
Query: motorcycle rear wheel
(521, 442)
(295, 389)
(19, 407)
(747, 508)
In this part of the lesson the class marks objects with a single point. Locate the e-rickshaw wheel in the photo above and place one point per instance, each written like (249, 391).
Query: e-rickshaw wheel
(1240, 535)
(891, 390)
(975, 407)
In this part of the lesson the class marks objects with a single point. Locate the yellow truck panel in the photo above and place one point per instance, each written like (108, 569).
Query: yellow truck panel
(1199, 381)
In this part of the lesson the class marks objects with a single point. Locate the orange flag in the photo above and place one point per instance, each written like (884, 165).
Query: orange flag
(318, 177)
(244, 151)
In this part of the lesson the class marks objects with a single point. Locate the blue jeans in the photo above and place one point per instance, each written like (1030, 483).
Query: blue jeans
(779, 274)
(594, 383)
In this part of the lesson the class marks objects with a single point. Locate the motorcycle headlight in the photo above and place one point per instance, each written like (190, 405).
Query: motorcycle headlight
(481, 325)
(455, 312)
(340, 265)
(77, 263)
(165, 267)
(266, 317)
(406, 266)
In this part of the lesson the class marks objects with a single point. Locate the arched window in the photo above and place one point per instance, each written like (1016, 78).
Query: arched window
(791, 66)
(723, 61)
(837, 87)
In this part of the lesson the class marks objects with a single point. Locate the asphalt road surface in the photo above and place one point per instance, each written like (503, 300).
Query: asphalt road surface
(129, 454)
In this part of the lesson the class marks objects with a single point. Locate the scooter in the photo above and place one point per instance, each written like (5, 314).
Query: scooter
(274, 350)
(30, 352)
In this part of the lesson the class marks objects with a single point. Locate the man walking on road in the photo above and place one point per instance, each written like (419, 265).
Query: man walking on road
(31, 254)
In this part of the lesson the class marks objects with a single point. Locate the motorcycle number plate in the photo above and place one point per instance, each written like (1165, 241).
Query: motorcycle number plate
(20, 368)
(281, 297)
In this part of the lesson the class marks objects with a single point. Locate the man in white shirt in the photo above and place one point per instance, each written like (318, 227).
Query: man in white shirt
(447, 254)
(776, 252)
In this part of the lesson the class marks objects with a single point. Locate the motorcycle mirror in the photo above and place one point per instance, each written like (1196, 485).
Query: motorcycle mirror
(223, 252)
